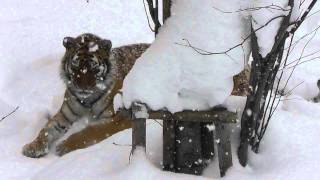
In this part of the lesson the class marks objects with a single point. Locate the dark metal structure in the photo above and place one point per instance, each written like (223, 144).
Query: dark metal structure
(188, 137)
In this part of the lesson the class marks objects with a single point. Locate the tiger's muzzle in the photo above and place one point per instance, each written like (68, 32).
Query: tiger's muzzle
(85, 79)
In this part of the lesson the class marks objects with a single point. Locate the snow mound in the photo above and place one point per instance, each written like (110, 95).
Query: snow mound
(172, 76)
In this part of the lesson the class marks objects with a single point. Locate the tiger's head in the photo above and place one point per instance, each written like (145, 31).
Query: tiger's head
(86, 67)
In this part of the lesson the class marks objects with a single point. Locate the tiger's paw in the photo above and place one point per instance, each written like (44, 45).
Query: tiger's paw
(62, 149)
(35, 149)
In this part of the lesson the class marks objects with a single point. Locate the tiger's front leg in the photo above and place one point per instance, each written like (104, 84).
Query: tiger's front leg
(93, 134)
(55, 128)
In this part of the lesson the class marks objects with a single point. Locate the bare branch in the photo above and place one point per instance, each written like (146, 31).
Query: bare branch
(302, 37)
(303, 17)
(301, 3)
(291, 90)
(157, 122)
(294, 67)
(153, 9)
(145, 10)
(313, 14)
(269, 7)
(116, 144)
(312, 59)
(9, 114)
(207, 53)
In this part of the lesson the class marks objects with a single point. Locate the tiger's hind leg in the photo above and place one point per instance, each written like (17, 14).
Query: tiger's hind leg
(53, 130)
(91, 135)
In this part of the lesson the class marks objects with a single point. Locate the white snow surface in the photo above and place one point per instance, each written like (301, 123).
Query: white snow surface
(31, 36)
(176, 77)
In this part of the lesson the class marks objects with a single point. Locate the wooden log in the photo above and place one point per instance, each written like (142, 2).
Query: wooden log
(224, 146)
(138, 128)
(169, 141)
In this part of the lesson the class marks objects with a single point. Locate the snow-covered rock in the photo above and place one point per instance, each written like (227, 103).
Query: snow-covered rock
(169, 75)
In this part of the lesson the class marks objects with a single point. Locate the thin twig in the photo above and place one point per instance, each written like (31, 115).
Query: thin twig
(291, 99)
(207, 53)
(304, 36)
(269, 7)
(313, 14)
(291, 90)
(303, 17)
(312, 59)
(308, 55)
(9, 113)
(291, 73)
(158, 122)
(121, 144)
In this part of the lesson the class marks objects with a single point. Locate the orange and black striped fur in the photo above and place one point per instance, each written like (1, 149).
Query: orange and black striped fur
(93, 73)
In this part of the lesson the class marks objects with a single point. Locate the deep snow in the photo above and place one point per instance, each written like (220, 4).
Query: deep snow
(178, 76)
(31, 36)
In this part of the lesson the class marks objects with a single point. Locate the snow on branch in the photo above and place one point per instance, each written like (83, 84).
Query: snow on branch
(176, 78)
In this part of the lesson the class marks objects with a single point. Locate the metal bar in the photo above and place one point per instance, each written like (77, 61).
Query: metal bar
(224, 147)
(138, 129)
(169, 141)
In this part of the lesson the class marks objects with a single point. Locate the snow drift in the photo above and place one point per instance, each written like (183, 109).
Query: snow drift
(172, 76)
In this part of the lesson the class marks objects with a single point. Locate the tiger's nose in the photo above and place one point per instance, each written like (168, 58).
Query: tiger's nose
(85, 80)
(84, 71)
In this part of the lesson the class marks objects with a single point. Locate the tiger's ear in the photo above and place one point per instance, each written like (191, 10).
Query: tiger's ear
(68, 42)
(106, 44)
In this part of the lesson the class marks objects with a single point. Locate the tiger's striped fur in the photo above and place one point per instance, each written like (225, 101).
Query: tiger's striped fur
(93, 74)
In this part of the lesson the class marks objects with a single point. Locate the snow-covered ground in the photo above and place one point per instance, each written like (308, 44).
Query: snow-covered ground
(31, 36)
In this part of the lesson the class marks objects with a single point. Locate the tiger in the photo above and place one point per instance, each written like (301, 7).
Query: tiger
(93, 73)
(241, 83)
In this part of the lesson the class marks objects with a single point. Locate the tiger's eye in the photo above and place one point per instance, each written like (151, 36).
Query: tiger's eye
(93, 64)
(75, 62)
(101, 70)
